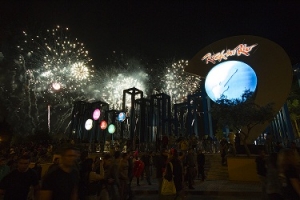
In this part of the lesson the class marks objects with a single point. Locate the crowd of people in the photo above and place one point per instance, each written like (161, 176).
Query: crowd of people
(74, 175)
(279, 173)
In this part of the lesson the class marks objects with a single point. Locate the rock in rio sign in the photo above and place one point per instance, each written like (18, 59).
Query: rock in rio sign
(241, 49)
(268, 60)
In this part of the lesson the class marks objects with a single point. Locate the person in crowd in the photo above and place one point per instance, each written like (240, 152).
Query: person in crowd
(278, 147)
(62, 182)
(273, 183)
(13, 161)
(17, 183)
(123, 176)
(116, 161)
(201, 163)
(223, 150)
(160, 165)
(146, 159)
(296, 150)
(38, 169)
(184, 145)
(90, 180)
(54, 165)
(111, 178)
(96, 165)
(138, 167)
(4, 169)
(176, 173)
(130, 173)
(191, 168)
(288, 166)
(261, 170)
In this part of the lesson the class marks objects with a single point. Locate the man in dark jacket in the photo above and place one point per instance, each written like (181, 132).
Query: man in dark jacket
(176, 173)
(201, 163)
(261, 170)
(191, 168)
(160, 166)
(146, 158)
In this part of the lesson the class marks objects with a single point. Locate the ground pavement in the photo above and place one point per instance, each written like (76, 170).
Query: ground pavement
(216, 184)
(209, 187)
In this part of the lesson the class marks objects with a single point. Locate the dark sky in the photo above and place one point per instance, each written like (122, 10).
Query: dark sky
(157, 29)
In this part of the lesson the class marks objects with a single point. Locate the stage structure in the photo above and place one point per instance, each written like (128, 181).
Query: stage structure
(180, 117)
(128, 129)
(143, 120)
(195, 102)
(86, 120)
(161, 115)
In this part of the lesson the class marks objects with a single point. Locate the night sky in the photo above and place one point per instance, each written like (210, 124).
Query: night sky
(156, 29)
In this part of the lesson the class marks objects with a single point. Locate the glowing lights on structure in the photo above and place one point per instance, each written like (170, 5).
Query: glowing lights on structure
(121, 116)
(96, 114)
(111, 129)
(88, 124)
(103, 125)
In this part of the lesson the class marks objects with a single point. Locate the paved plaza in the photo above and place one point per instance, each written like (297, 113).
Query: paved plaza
(216, 186)
(210, 188)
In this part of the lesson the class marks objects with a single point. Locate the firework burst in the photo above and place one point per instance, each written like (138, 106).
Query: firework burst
(178, 84)
(120, 73)
(54, 57)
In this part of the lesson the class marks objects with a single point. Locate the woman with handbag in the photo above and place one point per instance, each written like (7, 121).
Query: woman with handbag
(174, 173)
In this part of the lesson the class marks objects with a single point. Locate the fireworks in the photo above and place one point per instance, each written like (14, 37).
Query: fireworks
(51, 69)
(54, 70)
(79, 71)
(53, 57)
(118, 75)
(178, 84)
(113, 90)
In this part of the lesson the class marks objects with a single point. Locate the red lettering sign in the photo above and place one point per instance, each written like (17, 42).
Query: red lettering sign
(241, 49)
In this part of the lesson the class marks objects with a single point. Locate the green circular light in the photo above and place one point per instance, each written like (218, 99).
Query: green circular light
(111, 128)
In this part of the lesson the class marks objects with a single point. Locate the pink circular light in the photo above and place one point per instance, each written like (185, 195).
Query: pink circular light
(96, 114)
(103, 124)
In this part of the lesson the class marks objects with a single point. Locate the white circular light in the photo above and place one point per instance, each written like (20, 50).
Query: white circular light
(89, 124)
(56, 86)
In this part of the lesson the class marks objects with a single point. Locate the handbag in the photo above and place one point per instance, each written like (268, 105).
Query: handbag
(168, 187)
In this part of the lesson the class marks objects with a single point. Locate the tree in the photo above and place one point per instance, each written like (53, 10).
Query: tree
(241, 114)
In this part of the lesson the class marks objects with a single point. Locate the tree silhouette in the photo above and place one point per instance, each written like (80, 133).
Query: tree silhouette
(241, 114)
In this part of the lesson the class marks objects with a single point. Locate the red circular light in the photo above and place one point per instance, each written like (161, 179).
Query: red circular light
(103, 124)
